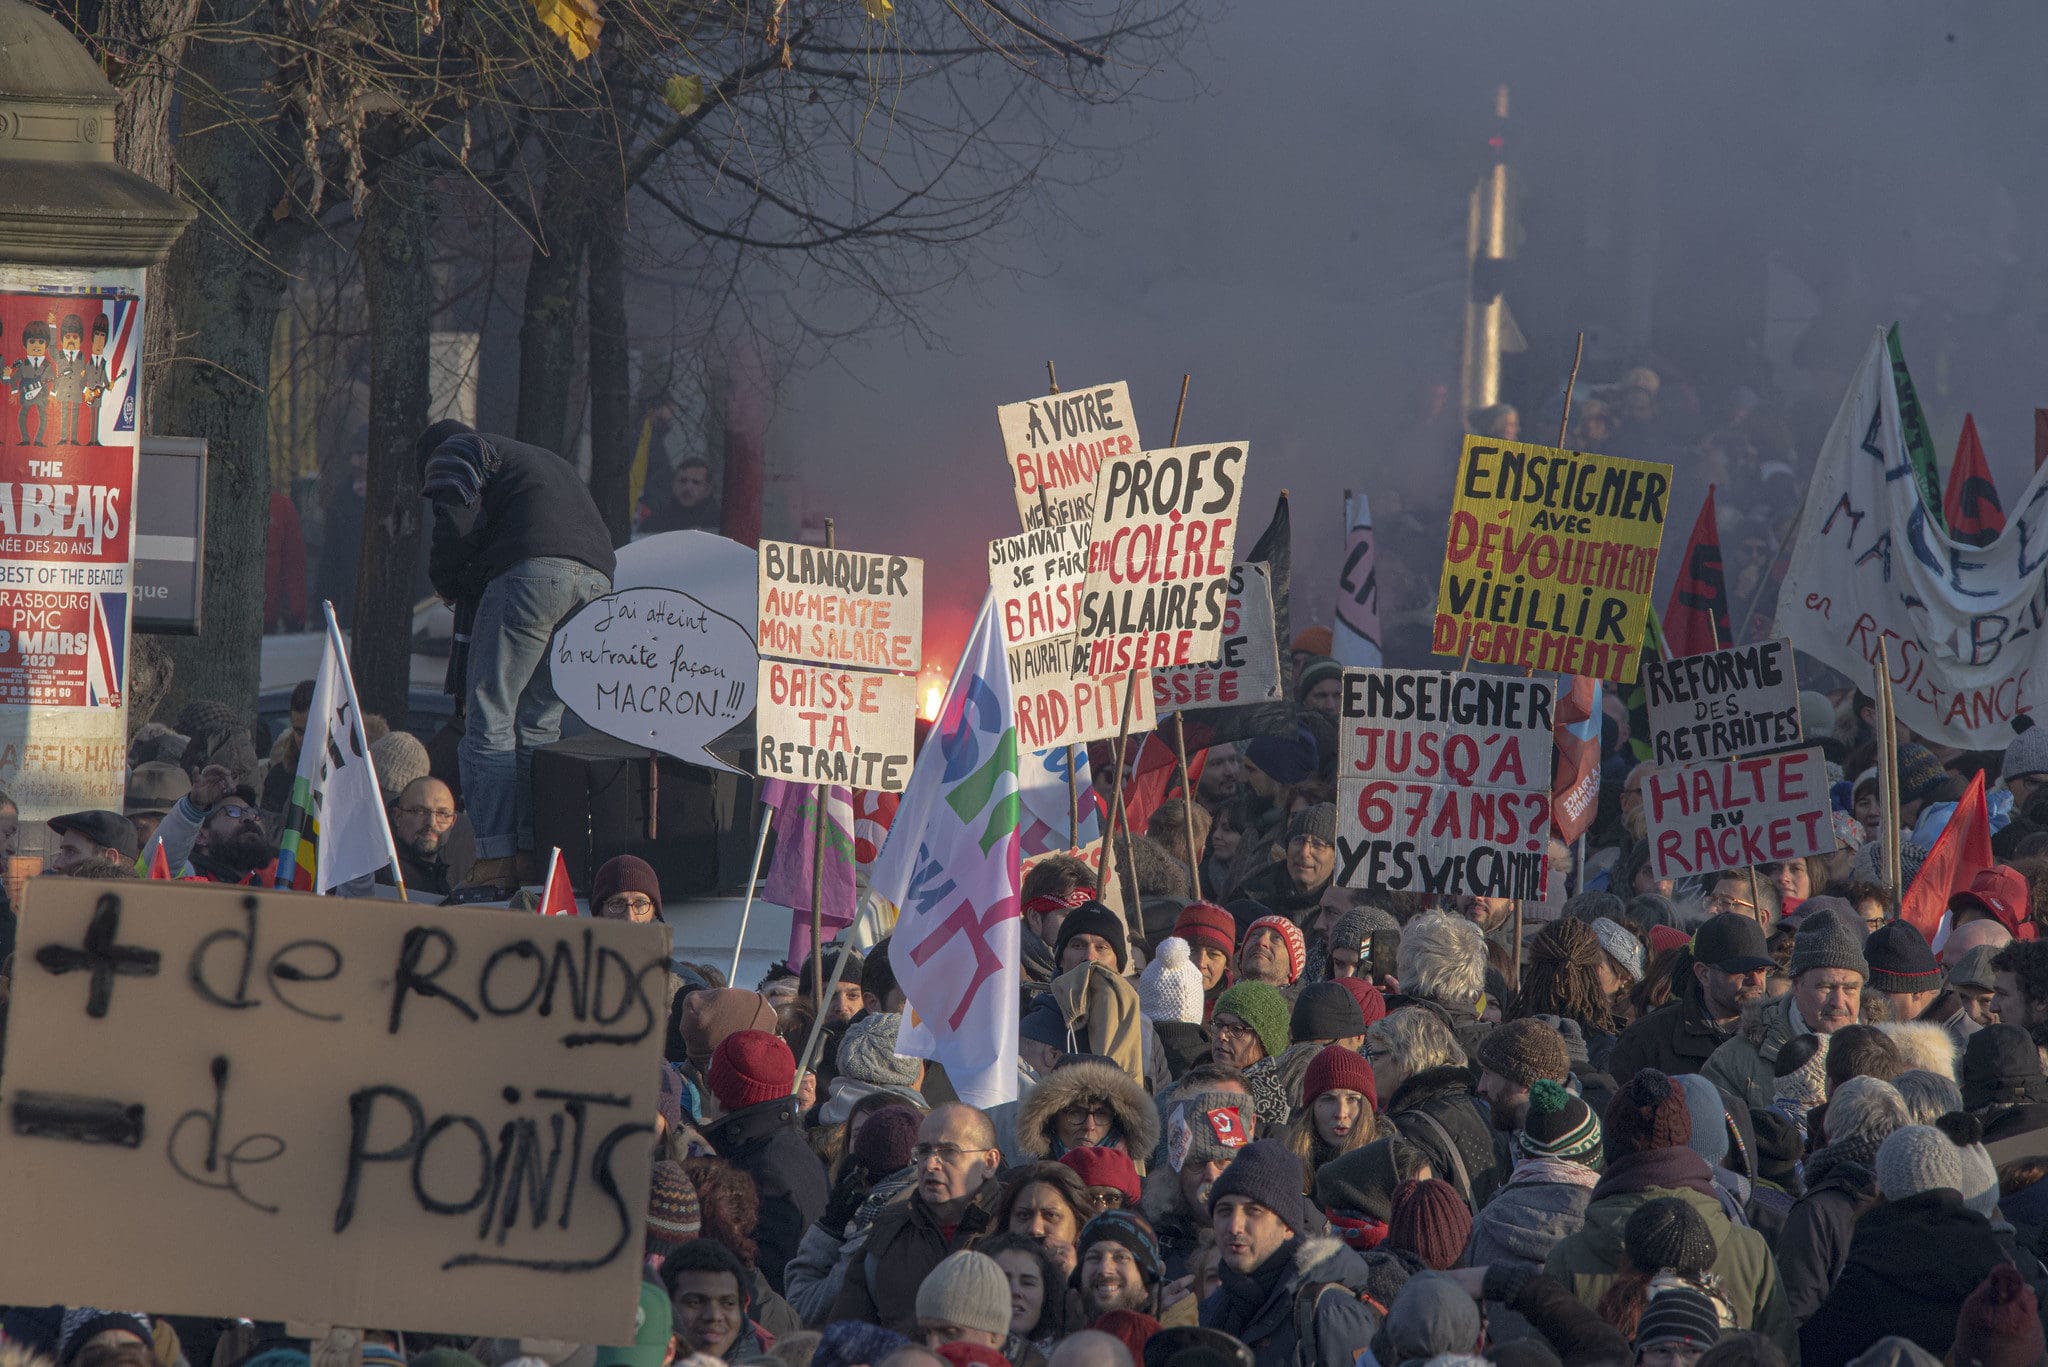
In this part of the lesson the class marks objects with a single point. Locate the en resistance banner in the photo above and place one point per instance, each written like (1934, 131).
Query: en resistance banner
(1551, 559)
(1871, 561)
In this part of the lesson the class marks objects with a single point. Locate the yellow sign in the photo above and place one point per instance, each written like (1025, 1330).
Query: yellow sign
(1551, 559)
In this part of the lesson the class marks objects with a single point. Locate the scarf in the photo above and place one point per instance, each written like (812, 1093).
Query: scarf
(1553, 1171)
(1671, 1169)
(1858, 1149)
(1246, 1293)
(459, 468)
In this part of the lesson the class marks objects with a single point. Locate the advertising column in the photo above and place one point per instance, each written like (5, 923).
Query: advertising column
(70, 343)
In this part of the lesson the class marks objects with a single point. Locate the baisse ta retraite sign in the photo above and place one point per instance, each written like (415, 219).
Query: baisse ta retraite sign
(70, 351)
(425, 1116)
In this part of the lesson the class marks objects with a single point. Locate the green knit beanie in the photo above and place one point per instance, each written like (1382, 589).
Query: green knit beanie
(1260, 1006)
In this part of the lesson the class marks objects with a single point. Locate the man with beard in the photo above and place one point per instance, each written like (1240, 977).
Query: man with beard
(1206, 1125)
(1828, 976)
(1724, 972)
(215, 834)
(1120, 1265)
(421, 820)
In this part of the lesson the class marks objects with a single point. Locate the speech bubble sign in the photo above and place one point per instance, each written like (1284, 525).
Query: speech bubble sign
(657, 667)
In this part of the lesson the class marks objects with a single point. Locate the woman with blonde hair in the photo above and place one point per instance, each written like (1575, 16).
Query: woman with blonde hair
(1338, 1100)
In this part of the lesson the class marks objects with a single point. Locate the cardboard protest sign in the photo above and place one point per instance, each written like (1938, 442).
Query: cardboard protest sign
(1870, 561)
(1443, 782)
(1247, 670)
(433, 1117)
(1722, 702)
(656, 666)
(1551, 558)
(841, 639)
(1036, 579)
(1054, 444)
(1159, 557)
(1733, 813)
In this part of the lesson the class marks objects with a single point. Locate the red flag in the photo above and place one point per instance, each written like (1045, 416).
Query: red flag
(1575, 739)
(1971, 505)
(159, 864)
(557, 898)
(1961, 851)
(1155, 776)
(1696, 618)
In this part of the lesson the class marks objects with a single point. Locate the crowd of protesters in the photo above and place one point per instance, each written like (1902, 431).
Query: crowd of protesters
(1739, 1121)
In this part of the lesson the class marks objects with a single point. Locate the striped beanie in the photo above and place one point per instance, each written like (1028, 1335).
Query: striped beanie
(1290, 933)
(1560, 1126)
(673, 1216)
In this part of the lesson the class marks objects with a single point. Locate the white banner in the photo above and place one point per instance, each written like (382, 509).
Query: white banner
(1053, 445)
(1443, 782)
(1734, 813)
(1722, 702)
(1355, 639)
(335, 828)
(1869, 562)
(1247, 669)
(1036, 579)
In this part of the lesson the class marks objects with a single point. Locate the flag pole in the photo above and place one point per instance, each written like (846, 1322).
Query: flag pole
(822, 797)
(1187, 799)
(1888, 768)
(803, 1064)
(747, 907)
(348, 680)
(1052, 379)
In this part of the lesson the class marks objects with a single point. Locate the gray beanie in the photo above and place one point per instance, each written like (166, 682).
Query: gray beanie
(2028, 754)
(1622, 947)
(1208, 1127)
(1824, 939)
(1917, 1158)
(867, 1053)
(1358, 925)
(1816, 716)
(969, 1290)
(1432, 1316)
(1709, 1118)
(398, 759)
(1979, 1186)
(1319, 821)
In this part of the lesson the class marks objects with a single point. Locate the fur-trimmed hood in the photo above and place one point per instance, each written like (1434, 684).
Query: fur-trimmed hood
(1768, 1024)
(1136, 1116)
(1925, 1045)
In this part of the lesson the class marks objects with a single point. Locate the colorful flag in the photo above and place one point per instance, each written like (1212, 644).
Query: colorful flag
(873, 810)
(1042, 782)
(1960, 852)
(1913, 434)
(1975, 516)
(1696, 618)
(796, 844)
(1575, 781)
(335, 829)
(1356, 638)
(107, 649)
(950, 873)
(1155, 774)
(557, 898)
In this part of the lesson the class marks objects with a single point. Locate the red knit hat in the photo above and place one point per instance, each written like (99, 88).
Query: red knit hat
(1431, 1221)
(1338, 1069)
(1205, 923)
(1132, 1327)
(1999, 1325)
(750, 1067)
(1371, 1001)
(1105, 1168)
(1290, 934)
(1649, 1112)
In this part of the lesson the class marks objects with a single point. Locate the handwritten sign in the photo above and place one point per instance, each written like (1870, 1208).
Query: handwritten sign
(657, 667)
(1551, 559)
(1733, 813)
(434, 1117)
(1054, 444)
(1443, 782)
(841, 639)
(1159, 556)
(1247, 669)
(1722, 702)
(1036, 579)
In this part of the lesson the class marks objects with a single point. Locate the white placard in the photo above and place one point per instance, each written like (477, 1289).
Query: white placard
(1247, 668)
(1036, 578)
(847, 726)
(425, 1116)
(1735, 701)
(1053, 445)
(1444, 782)
(657, 667)
(1734, 813)
(1159, 557)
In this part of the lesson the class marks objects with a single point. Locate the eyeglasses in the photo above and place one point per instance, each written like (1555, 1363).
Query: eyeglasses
(1224, 1027)
(1723, 902)
(1105, 1198)
(235, 811)
(945, 1153)
(440, 816)
(625, 905)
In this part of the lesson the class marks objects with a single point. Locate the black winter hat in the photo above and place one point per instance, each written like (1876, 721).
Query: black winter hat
(2001, 1067)
(1268, 1172)
(1093, 918)
(1365, 1178)
(1325, 1011)
(1900, 960)
(1669, 1233)
(877, 979)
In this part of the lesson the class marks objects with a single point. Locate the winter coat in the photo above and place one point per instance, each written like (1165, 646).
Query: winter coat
(1185, 1043)
(763, 1142)
(1541, 1205)
(1341, 1322)
(1743, 1065)
(905, 1244)
(1573, 1330)
(1815, 1242)
(1675, 1038)
(1445, 1095)
(1911, 1264)
(1273, 887)
(1137, 1119)
(1587, 1261)
(813, 1278)
(532, 504)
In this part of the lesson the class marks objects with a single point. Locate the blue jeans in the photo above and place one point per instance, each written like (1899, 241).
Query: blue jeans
(513, 708)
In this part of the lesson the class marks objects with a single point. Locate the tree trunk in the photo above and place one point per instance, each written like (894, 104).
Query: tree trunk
(547, 321)
(611, 380)
(226, 276)
(398, 283)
